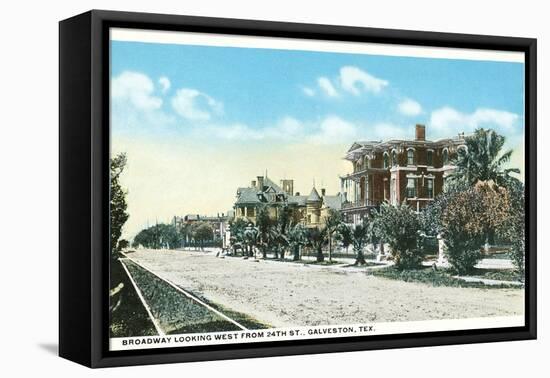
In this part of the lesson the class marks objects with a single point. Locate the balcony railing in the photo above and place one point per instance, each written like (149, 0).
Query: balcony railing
(361, 203)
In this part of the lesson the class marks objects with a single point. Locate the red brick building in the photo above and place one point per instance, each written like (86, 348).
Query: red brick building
(395, 171)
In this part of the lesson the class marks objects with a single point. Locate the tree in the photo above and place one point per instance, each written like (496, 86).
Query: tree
(344, 235)
(399, 226)
(203, 232)
(158, 236)
(250, 235)
(483, 159)
(123, 244)
(332, 222)
(278, 241)
(296, 239)
(237, 228)
(118, 205)
(264, 224)
(466, 218)
(316, 238)
(358, 237)
(513, 228)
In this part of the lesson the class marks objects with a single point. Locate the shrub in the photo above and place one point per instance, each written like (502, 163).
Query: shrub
(466, 220)
(399, 226)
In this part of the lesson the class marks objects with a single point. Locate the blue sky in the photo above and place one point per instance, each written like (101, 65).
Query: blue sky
(258, 88)
(197, 122)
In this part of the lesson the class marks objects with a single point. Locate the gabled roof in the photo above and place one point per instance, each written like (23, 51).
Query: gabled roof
(247, 196)
(313, 196)
(333, 202)
(269, 183)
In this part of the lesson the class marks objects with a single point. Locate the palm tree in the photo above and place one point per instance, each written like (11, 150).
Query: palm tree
(250, 235)
(316, 238)
(297, 238)
(237, 228)
(483, 159)
(278, 241)
(344, 235)
(264, 224)
(332, 222)
(360, 237)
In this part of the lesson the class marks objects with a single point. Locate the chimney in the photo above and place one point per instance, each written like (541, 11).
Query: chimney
(253, 184)
(260, 182)
(288, 186)
(420, 132)
(323, 191)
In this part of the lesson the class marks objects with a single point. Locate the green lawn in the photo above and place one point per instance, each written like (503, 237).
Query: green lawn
(439, 277)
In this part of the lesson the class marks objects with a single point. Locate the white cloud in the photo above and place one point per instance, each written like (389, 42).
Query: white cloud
(164, 84)
(285, 129)
(136, 89)
(236, 132)
(327, 87)
(448, 121)
(289, 127)
(333, 129)
(354, 80)
(194, 105)
(409, 107)
(308, 91)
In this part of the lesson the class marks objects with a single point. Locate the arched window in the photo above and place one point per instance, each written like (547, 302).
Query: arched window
(410, 157)
(394, 158)
(445, 157)
(386, 160)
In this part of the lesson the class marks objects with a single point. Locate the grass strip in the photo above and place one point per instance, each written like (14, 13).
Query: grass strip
(439, 277)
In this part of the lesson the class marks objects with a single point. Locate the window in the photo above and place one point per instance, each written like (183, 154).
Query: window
(445, 157)
(393, 158)
(249, 211)
(410, 157)
(411, 188)
(386, 160)
(430, 188)
(430, 158)
(393, 192)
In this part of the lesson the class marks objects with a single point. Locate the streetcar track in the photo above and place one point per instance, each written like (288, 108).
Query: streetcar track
(186, 293)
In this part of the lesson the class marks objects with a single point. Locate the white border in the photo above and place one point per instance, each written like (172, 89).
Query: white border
(226, 40)
(317, 332)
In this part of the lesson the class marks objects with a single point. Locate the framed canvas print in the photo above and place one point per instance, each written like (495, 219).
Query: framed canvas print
(234, 188)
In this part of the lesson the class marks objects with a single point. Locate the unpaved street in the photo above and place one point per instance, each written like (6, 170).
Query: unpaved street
(290, 294)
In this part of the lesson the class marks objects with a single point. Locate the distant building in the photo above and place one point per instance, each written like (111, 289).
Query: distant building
(218, 222)
(308, 209)
(397, 170)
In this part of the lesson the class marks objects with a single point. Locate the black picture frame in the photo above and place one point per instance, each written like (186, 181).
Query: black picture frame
(84, 186)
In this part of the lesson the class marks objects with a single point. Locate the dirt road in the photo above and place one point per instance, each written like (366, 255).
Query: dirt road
(288, 294)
